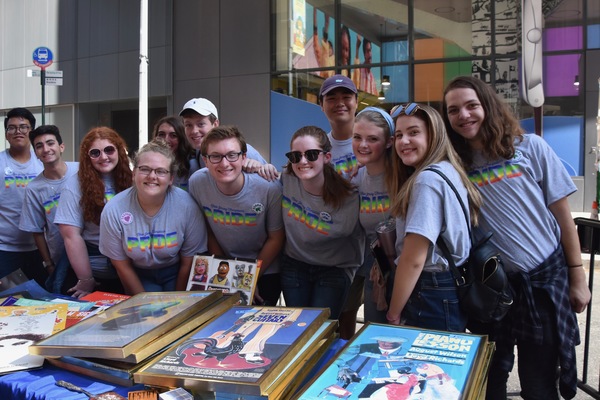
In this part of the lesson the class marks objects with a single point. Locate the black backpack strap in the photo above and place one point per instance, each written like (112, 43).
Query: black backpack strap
(441, 243)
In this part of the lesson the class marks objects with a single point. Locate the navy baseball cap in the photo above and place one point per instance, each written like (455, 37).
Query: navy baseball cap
(337, 81)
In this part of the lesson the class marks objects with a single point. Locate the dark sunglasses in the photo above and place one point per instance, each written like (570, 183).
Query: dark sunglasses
(310, 155)
(108, 150)
(408, 109)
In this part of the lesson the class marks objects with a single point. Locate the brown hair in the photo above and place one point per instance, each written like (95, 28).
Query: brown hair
(90, 180)
(184, 151)
(223, 132)
(499, 129)
(336, 189)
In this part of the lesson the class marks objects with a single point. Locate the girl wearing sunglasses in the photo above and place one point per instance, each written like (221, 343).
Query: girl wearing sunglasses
(525, 188)
(103, 172)
(325, 243)
(424, 292)
(170, 130)
(149, 244)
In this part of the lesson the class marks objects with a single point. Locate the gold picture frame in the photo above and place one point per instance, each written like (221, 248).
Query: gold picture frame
(136, 328)
(244, 350)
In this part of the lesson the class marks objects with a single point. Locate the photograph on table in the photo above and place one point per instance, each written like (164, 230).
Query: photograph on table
(227, 275)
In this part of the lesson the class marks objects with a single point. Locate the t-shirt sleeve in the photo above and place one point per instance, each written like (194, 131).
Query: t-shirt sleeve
(111, 233)
(32, 214)
(549, 171)
(195, 240)
(69, 211)
(425, 209)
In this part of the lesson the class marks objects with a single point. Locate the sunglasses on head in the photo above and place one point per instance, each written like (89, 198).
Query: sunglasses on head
(108, 150)
(408, 109)
(310, 155)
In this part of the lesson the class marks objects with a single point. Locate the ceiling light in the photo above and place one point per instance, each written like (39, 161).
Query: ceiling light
(576, 83)
(386, 80)
(381, 96)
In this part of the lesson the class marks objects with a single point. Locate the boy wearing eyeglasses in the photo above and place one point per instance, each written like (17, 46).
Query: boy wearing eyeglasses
(18, 166)
(242, 210)
(41, 198)
(199, 117)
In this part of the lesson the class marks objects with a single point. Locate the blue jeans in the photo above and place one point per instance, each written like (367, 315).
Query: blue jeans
(306, 285)
(30, 262)
(433, 303)
(158, 280)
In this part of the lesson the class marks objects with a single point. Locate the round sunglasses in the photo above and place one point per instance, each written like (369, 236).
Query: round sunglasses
(108, 150)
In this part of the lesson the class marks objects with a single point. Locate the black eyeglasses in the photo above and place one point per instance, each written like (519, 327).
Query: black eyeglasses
(108, 150)
(231, 157)
(310, 155)
(408, 109)
(160, 172)
(12, 129)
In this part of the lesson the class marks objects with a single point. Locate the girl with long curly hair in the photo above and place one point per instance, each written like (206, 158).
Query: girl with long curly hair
(103, 172)
(170, 130)
(325, 242)
(426, 208)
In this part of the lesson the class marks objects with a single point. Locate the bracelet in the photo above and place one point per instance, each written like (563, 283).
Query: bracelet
(84, 280)
(575, 266)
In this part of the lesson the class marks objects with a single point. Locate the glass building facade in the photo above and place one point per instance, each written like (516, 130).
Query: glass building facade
(398, 51)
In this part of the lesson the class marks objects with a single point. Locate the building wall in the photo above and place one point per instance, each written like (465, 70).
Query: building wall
(222, 53)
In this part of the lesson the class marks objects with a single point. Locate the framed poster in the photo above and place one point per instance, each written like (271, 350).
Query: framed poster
(133, 329)
(385, 361)
(242, 351)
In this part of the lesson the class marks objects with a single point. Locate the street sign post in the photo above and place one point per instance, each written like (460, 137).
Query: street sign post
(43, 57)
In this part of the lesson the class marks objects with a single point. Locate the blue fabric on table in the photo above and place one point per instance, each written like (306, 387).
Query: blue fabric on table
(40, 384)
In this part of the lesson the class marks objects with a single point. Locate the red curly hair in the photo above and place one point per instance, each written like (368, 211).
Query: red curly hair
(90, 180)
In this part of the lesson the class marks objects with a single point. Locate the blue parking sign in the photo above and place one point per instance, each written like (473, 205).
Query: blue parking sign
(42, 57)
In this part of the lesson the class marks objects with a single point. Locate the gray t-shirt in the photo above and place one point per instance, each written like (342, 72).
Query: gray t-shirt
(70, 212)
(516, 195)
(374, 201)
(241, 222)
(342, 156)
(434, 210)
(16, 177)
(318, 234)
(155, 242)
(39, 207)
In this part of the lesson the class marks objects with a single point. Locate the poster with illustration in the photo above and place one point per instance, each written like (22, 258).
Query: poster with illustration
(402, 363)
(244, 349)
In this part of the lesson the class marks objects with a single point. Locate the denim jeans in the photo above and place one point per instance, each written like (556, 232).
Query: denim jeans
(306, 285)
(158, 280)
(30, 262)
(433, 303)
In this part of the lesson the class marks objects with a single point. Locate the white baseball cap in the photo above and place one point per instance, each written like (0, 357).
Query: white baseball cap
(201, 106)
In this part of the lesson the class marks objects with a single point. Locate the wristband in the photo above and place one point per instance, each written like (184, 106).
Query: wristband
(575, 266)
(84, 280)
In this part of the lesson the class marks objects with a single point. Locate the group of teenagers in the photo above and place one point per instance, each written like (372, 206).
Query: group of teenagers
(128, 226)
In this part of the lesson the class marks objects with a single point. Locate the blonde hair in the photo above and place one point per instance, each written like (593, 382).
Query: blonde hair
(402, 179)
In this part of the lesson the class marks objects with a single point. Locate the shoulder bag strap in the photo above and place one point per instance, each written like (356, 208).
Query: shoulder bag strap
(458, 277)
